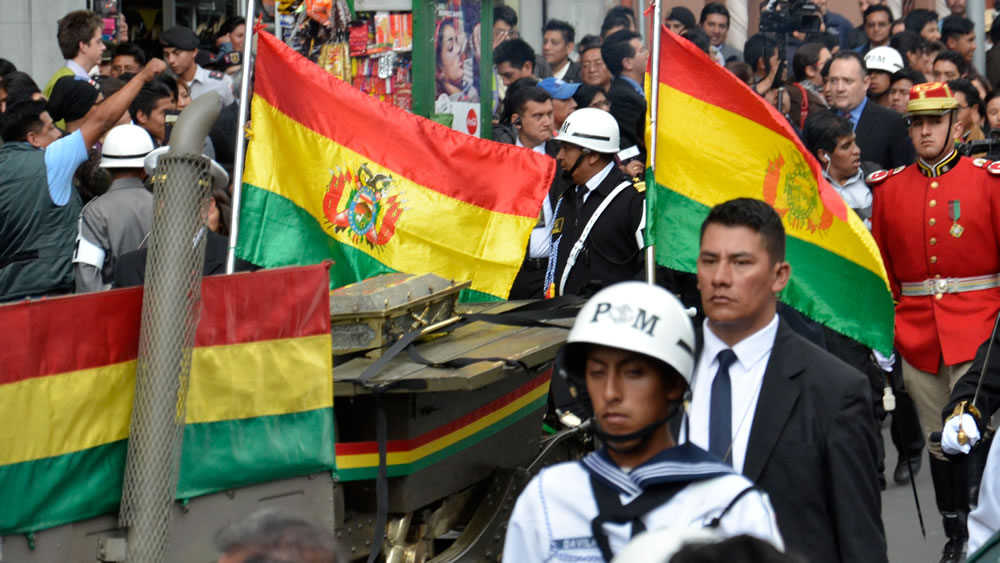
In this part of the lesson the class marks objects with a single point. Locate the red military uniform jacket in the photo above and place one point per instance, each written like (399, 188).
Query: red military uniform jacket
(912, 224)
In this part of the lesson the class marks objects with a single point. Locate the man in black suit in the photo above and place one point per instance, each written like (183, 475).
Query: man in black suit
(793, 418)
(557, 45)
(881, 133)
(626, 57)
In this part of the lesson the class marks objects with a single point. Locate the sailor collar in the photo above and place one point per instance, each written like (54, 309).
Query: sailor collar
(935, 170)
(682, 463)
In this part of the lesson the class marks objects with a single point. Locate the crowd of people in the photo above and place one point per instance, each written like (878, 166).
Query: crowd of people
(75, 197)
(781, 441)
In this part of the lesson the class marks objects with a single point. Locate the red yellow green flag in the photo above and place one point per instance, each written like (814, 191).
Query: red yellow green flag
(717, 140)
(334, 174)
(259, 405)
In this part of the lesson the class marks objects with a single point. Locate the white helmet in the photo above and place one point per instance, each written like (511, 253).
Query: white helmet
(638, 317)
(220, 178)
(592, 129)
(126, 146)
(885, 59)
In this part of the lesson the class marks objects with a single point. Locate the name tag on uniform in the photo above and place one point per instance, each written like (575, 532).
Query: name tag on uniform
(557, 226)
(572, 544)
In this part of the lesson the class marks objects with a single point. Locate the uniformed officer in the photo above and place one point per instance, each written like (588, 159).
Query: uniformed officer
(936, 223)
(180, 47)
(119, 220)
(628, 360)
(597, 234)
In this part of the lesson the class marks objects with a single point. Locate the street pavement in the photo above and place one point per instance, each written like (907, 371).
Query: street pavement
(899, 515)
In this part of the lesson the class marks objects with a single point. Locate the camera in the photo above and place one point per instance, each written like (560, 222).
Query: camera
(786, 16)
(988, 148)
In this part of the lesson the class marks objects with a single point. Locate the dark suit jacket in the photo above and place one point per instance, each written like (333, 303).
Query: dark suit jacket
(629, 110)
(130, 269)
(883, 137)
(812, 449)
(572, 73)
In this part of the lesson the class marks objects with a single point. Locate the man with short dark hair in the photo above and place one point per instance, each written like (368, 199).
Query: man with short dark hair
(925, 23)
(949, 65)
(761, 53)
(127, 58)
(148, 110)
(274, 534)
(899, 88)
(593, 71)
(790, 416)
(557, 44)
(514, 59)
(877, 20)
(504, 24)
(881, 133)
(180, 47)
(531, 119)
(715, 21)
(679, 19)
(81, 45)
(628, 361)
(39, 208)
(626, 58)
(959, 34)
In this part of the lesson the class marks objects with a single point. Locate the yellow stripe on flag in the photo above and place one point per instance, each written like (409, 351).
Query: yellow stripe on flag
(723, 161)
(398, 458)
(301, 172)
(59, 414)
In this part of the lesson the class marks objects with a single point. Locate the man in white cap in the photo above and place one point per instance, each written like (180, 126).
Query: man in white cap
(119, 220)
(628, 361)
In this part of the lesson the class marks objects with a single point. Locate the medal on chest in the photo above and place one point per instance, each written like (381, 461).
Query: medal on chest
(954, 213)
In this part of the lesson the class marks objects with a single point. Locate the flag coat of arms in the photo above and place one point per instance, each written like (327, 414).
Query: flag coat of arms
(334, 174)
(718, 140)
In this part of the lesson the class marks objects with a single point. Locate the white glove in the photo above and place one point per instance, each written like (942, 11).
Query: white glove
(884, 362)
(949, 435)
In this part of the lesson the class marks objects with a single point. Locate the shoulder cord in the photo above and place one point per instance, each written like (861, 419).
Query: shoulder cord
(578, 246)
(714, 523)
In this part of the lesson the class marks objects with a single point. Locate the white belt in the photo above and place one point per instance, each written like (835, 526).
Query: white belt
(939, 286)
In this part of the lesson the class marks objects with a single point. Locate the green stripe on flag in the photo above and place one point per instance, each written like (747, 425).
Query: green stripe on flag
(293, 237)
(676, 232)
(49, 492)
(234, 453)
(403, 469)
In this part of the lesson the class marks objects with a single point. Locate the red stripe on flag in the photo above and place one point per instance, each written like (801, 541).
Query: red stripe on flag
(282, 303)
(688, 69)
(52, 336)
(452, 163)
(358, 448)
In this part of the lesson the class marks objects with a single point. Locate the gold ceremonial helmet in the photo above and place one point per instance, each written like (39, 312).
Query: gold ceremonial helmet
(931, 98)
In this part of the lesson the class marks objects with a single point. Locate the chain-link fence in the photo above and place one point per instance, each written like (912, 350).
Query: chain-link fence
(170, 307)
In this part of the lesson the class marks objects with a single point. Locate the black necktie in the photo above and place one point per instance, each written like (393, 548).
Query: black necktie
(720, 419)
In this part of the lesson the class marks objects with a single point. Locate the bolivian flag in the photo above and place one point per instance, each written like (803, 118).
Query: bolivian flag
(717, 140)
(259, 405)
(334, 174)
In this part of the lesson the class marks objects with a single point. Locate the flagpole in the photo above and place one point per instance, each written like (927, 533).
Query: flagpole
(241, 138)
(653, 111)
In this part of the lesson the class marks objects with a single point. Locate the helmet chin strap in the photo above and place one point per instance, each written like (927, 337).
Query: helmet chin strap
(642, 435)
(568, 174)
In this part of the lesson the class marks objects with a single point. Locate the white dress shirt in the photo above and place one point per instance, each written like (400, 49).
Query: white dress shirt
(746, 375)
(541, 237)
